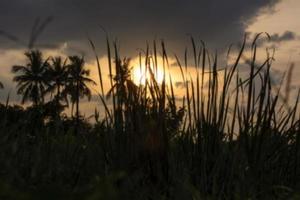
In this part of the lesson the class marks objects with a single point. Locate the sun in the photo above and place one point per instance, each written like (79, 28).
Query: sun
(140, 75)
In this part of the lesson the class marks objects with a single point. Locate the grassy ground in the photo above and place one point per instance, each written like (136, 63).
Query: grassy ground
(230, 138)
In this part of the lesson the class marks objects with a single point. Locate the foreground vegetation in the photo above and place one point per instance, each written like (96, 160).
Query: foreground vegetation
(232, 137)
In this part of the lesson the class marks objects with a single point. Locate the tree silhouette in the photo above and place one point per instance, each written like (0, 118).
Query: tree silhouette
(57, 74)
(31, 81)
(1, 85)
(124, 86)
(77, 82)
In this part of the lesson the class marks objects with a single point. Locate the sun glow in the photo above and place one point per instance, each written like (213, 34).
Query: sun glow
(140, 75)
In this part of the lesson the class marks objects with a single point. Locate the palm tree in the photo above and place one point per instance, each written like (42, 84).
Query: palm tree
(57, 75)
(31, 81)
(125, 87)
(77, 82)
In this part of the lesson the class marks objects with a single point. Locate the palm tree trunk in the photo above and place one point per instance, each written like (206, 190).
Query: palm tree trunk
(77, 109)
(77, 106)
(58, 92)
(72, 110)
(57, 100)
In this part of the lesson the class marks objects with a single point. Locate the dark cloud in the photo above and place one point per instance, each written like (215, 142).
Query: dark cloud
(286, 36)
(274, 39)
(181, 84)
(217, 22)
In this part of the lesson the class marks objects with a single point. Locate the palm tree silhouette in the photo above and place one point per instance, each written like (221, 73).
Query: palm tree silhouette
(57, 75)
(31, 81)
(77, 82)
(124, 86)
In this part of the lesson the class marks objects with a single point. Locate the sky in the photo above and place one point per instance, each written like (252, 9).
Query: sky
(134, 22)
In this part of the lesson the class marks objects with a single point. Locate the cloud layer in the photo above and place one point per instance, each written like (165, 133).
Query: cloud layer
(217, 22)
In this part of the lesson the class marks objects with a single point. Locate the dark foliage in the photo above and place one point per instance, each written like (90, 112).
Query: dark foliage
(234, 139)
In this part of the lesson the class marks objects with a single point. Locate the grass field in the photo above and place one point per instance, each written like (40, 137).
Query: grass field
(231, 137)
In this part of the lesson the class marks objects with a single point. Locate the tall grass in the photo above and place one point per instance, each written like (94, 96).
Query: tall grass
(231, 137)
